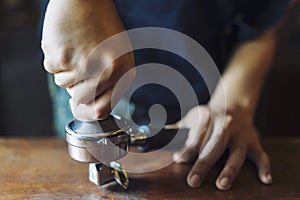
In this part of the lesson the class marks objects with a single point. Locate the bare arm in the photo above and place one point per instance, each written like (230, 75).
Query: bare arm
(245, 73)
(72, 30)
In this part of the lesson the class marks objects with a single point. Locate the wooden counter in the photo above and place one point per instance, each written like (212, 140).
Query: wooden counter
(42, 169)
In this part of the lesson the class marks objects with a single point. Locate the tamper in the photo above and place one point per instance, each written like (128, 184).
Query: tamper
(100, 143)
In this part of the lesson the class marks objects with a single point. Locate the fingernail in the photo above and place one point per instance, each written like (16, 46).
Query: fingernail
(194, 181)
(267, 178)
(224, 182)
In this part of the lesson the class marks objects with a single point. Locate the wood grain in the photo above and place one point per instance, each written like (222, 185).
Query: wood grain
(42, 169)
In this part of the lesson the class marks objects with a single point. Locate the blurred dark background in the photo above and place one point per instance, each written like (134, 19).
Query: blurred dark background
(25, 105)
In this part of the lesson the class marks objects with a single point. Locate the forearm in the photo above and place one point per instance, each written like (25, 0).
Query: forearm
(245, 73)
(83, 12)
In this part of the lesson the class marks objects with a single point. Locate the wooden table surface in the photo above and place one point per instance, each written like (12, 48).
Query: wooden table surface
(42, 169)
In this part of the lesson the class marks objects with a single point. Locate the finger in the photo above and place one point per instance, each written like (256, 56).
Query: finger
(93, 75)
(232, 167)
(210, 153)
(59, 60)
(99, 109)
(186, 155)
(86, 90)
(199, 170)
(85, 69)
(195, 138)
(70, 91)
(52, 68)
(48, 66)
(220, 129)
(261, 159)
(65, 79)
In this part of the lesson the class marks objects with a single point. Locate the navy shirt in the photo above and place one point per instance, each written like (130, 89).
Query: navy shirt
(217, 25)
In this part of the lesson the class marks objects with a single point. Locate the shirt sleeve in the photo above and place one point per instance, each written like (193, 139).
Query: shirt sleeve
(258, 16)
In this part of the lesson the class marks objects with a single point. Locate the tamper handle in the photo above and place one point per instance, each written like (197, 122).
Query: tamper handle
(146, 142)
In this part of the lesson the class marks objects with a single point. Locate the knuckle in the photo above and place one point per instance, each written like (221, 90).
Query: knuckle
(229, 120)
(238, 149)
(231, 169)
(203, 164)
(48, 67)
(88, 67)
(79, 115)
(204, 118)
(59, 82)
(83, 99)
(70, 91)
(261, 156)
(187, 155)
(75, 113)
(83, 92)
(205, 113)
(84, 66)
(66, 57)
(122, 65)
(44, 45)
(259, 151)
(264, 156)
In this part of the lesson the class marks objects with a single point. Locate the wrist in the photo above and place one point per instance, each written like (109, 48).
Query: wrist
(234, 106)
